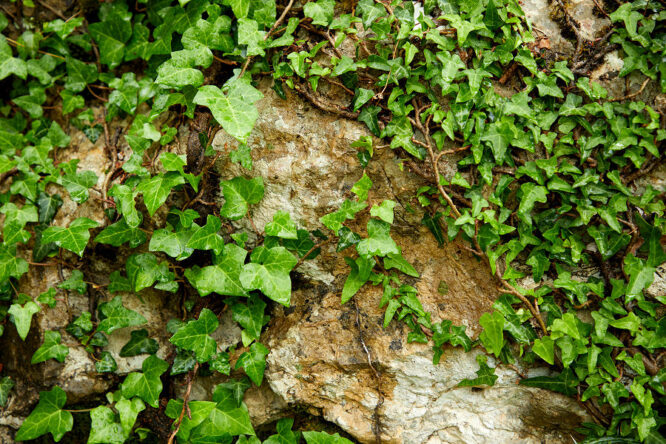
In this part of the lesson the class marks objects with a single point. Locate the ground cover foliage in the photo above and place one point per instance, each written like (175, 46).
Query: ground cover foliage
(547, 183)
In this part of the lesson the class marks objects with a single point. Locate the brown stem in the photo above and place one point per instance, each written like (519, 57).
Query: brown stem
(186, 398)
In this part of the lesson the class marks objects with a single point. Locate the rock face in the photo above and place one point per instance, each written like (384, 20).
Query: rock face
(336, 360)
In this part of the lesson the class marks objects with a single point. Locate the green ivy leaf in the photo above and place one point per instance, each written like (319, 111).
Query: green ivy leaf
(379, 241)
(173, 243)
(254, 362)
(384, 211)
(207, 237)
(269, 272)
(544, 348)
(348, 209)
(111, 35)
(120, 232)
(564, 383)
(239, 193)
(143, 270)
(324, 438)
(195, 336)
(223, 277)
(50, 349)
(6, 385)
(233, 106)
(156, 189)
(485, 375)
(21, 316)
(492, 335)
(106, 363)
(47, 417)
(113, 316)
(146, 385)
(104, 427)
(359, 275)
(74, 238)
(251, 317)
(139, 344)
(362, 187)
(74, 283)
(321, 11)
(282, 226)
(531, 194)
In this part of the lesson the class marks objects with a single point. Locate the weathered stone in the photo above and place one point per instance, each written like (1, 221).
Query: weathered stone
(320, 349)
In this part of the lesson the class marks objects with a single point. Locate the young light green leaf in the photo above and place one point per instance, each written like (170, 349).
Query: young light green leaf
(21, 316)
(233, 106)
(269, 272)
(156, 189)
(254, 362)
(492, 336)
(239, 193)
(379, 241)
(384, 211)
(282, 226)
(120, 232)
(47, 417)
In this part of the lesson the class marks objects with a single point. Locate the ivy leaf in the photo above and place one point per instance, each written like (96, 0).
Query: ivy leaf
(139, 344)
(564, 383)
(113, 316)
(498, 136)
(233, 390)
(362, 187)
(178, 71)
(284, 433)
(6, 385)
(74, 283)
(143, 270)
(359, 275)
(74, 238)
(195, 336)
(207, 237)
(227, 417)
(239, 193)
(531, 194)
(492, 335)
(251, 317)
(282, 226)
(269, 272)
(223, 277)
(379, 241)
(106, 363)
(485, 375)
(77, 184)
(324, 438)
(146, 385)
(156, 189)
(21, 316)
(321, 11)
(173, 243)
(47, 417)
(111, 36)
(79, 74)
(120, 232)
(48, 205)
(50, 349)
(348, 209)
(104, 429)
(545, 349)
(384, 211)
(233, 106)
(125, 197)
(254, 362)
(398, 262)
